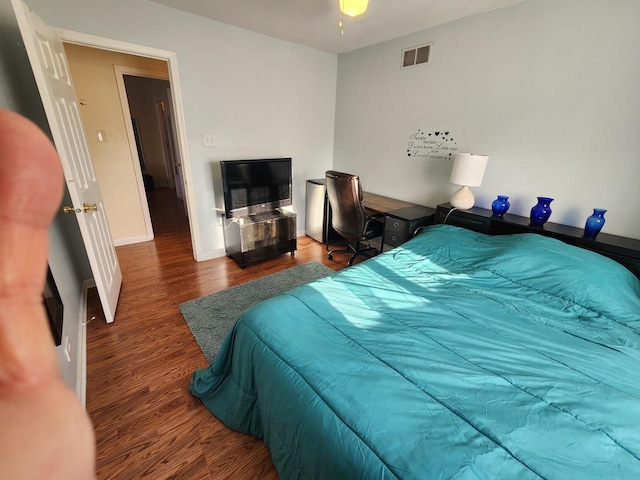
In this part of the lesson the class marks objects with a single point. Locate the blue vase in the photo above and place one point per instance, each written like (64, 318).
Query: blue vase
(541, 211)
(594, 223)
(500, 205)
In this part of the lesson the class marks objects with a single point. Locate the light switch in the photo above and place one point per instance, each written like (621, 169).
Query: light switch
(208, 139)
(102, 135)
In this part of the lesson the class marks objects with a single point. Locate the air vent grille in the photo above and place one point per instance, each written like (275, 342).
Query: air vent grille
(414, 56)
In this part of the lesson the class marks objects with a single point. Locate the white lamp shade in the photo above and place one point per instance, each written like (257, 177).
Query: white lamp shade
(468, 169)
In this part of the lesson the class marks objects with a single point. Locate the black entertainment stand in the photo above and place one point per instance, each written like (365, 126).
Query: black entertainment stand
(621, 249)
(256, 237)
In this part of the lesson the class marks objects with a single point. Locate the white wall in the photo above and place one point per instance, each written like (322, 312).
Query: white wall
(549, 89)
(260, 96)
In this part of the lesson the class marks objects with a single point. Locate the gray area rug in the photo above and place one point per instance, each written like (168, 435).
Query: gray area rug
(211, 317)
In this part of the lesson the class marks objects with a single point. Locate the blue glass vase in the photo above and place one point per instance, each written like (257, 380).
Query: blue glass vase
(500, 205)
(541, 211)
(594, 223)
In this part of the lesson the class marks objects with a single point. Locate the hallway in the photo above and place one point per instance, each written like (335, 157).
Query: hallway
(167, 212)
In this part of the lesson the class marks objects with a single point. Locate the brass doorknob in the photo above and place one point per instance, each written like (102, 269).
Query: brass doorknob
(92, 207)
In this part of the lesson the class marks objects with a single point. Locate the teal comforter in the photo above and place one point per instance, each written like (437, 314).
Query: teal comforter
(454, 356)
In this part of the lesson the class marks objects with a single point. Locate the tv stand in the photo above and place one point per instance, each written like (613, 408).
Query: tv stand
(266, 215)
(259, 236)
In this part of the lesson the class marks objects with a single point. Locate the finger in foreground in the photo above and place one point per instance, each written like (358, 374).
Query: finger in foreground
(45, 431)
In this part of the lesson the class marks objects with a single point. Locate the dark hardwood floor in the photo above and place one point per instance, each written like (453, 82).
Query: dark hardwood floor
(147, 423)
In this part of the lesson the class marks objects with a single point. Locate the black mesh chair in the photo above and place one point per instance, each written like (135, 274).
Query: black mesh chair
(349, 217)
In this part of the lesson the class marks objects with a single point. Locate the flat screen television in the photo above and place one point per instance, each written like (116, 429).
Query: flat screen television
(253, 186)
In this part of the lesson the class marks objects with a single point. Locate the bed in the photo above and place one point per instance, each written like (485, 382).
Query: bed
(457, 355)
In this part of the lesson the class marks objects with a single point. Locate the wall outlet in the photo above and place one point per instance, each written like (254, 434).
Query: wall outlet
(67, 348)
(208, 139)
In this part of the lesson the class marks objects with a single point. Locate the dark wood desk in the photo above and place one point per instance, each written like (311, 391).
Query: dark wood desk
(401, 219)
(380, 204)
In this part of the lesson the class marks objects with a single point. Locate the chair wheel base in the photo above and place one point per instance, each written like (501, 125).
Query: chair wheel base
(354, 251)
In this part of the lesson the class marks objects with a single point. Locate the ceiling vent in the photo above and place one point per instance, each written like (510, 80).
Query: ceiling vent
(415, 56)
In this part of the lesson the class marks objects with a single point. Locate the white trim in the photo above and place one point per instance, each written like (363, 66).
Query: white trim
(120, 71)
(140, 72)
(86, 39)
(171, 58)
(132, 240)
(220, 252)
(81, 347)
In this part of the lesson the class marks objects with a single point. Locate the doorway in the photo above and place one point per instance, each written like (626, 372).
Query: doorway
(153, 124)
(124, 179)
(149, 102)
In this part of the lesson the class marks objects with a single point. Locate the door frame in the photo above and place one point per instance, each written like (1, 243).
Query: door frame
(168, 127)
(171, 58)
(120, 72)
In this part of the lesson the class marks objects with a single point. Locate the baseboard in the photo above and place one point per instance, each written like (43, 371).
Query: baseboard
(211, 255)
(132, 240)
(81, 382)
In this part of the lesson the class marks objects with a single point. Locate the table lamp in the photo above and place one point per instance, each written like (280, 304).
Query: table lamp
(468, 170)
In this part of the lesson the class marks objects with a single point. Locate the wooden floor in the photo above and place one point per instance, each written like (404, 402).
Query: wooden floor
(138, 368)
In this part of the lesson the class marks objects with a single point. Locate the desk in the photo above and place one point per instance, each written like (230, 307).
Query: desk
(401, 219)
(379, 204)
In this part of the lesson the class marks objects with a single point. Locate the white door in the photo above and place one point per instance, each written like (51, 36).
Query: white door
(51, 71)
(169, 157)
(173, 146)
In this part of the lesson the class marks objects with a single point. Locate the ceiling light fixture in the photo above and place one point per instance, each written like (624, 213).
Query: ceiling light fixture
(351, 8)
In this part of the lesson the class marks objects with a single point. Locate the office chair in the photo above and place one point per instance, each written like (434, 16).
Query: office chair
(349, 217)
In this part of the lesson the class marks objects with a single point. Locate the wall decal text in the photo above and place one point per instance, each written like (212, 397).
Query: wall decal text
(436, 145)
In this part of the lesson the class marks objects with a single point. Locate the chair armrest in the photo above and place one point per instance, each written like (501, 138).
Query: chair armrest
(375, 216)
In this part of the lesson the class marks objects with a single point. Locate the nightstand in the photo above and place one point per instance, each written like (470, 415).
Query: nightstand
(400, 225)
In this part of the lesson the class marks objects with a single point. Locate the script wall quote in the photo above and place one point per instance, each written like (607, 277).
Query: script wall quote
(436, 145)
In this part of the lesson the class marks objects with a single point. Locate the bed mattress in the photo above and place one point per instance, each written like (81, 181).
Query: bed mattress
(456, 355)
